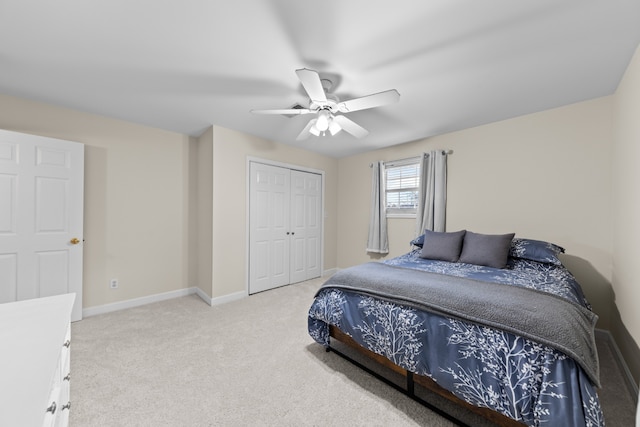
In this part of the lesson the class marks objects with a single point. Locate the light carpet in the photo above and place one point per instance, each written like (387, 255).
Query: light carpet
(250, 362)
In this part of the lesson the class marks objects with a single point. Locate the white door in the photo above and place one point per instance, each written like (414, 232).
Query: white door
(306, 226)
(41, 218)
(269, 227)
(285, 226)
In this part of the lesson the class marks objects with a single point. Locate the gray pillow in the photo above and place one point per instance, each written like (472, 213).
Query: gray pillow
(442, 246)
(490, 250)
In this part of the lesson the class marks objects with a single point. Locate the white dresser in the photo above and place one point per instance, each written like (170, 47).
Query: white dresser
(35, 338)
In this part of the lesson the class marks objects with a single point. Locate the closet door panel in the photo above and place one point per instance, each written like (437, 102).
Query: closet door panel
(269, 223)
(306, 226)
(285, 229)
(298, 227)
(313, 185)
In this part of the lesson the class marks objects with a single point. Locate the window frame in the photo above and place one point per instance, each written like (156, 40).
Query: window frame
(402, 212)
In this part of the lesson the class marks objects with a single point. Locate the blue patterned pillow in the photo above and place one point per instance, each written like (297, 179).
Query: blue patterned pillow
(418, 241)
(535, 250)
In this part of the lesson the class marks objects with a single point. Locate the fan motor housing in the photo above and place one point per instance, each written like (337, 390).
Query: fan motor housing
(295, 107)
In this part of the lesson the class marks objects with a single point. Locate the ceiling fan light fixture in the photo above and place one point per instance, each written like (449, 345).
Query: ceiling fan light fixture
(324, 105)
(314, 130)
(334, 127)
(324, 117)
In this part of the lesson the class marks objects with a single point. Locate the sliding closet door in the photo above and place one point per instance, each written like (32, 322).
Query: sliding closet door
(285, 230)
(269, 227)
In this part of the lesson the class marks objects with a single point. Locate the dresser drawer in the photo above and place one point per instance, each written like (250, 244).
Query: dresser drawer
(35, 362)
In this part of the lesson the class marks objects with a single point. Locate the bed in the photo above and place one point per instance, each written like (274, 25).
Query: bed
(492, 322)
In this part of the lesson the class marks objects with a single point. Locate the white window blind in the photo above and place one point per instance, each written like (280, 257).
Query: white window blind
(402, 179)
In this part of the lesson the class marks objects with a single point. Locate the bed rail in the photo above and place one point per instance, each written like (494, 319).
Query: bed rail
(411, 380)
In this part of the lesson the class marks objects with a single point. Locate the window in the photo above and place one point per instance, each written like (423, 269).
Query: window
(402, 179)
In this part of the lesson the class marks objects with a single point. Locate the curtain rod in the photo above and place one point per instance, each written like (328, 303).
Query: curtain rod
(409, 158)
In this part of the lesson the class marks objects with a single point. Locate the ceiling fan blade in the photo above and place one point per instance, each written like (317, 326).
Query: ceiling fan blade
(311, 82)
(350, 126)
(287, 111)
(305, 132)
(369, 101)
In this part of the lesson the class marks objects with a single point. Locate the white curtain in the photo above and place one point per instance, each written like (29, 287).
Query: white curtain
(432, 195)
(378, 241)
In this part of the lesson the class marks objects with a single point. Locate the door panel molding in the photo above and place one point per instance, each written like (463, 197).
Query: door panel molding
(41, 211)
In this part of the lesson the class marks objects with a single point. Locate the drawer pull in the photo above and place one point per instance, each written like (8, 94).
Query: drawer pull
(67, 406)
(67, 343)
(52, 408)
(68, 377)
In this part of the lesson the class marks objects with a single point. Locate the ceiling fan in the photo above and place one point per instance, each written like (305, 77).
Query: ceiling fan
(329, 110)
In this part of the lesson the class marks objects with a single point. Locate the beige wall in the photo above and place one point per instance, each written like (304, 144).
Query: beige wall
(544, 176)
(136, 184)
(151, 196)
(552, 175)
(567, 175)
(203, 205)
(229, 213)
(626, 206)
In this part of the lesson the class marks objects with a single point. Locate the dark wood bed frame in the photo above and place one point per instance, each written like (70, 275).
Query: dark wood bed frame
(412, 379)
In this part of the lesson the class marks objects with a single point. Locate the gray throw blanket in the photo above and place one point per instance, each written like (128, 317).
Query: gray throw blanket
(536, 315)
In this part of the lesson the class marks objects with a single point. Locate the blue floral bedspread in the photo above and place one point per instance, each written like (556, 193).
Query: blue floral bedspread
(524, 380)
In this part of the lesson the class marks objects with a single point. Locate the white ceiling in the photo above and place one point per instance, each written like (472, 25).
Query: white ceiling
(184, 65)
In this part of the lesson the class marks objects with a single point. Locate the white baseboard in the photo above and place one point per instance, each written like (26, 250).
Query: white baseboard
(220, 300)
(136, 302)
(631, 384)
(203, 296)
(229, 298)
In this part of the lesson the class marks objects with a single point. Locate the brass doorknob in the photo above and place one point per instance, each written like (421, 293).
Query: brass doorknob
(74, 241)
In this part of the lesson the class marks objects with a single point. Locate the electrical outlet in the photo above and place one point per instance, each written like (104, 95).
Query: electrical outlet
(113, 283)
